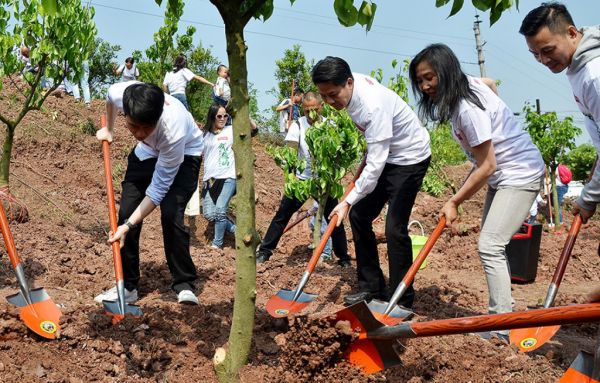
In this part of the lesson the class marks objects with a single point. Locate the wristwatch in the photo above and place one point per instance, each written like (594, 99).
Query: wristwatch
(130, 225)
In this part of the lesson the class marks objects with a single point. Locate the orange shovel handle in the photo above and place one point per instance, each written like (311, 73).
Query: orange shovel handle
(314, 259)
(566, 251)
(112, 212)
(8, 239)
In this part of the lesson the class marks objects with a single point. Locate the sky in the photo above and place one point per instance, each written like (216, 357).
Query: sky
(401, 29)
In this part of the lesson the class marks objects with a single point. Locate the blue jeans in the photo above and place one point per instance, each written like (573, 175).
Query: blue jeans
(84, 83)
(181, 97)
(327, 249)
(561, 190)
(217, 213)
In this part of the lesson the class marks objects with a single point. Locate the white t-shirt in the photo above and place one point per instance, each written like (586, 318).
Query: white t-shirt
(223, 84)
(297, 133)
(219, 161)
(176, 135)
(284, 115)
(518, 160)
(177, 81)
(391, 128)
(128, 74)
(586, 90)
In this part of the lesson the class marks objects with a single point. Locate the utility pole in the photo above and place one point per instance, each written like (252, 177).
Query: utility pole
(479, 45)
(538, 108)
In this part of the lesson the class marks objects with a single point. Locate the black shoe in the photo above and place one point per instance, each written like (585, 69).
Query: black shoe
(344, 263)
(352, 299)
(262, 257)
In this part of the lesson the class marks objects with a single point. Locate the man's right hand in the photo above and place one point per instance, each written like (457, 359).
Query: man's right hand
(103, 134)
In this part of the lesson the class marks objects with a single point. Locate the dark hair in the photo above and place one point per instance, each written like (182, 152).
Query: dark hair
(552, 15)
(298, 90)
(129, 60)
(221, 66)
(453, 85)
(143, 103)
(331, 69)
(211, 117)
(180, 63)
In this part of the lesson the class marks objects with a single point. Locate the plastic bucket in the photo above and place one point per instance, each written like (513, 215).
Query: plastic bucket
(418, 241)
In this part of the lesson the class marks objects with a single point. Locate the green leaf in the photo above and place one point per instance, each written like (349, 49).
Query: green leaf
(441, 3)
(366, 14)
(49, 7)
(346, 12)
(482, 5)
(456, 6)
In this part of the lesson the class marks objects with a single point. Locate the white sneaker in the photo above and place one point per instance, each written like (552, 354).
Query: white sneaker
(111, 295)
(187, 297)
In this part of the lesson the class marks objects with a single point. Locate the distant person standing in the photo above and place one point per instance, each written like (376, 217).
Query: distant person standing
(128, 71)
(83, 82)
(222, 90)
(284, 110)
(563, 178)
(176, 81)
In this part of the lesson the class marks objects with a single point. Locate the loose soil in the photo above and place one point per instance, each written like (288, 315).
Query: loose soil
(56, 171)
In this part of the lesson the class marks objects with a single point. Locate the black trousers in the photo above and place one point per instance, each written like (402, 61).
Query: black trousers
(176, 238)
(399, 186)
(287, 208)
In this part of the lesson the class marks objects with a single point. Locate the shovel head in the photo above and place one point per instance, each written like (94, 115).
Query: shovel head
(283, 304)
(529, 339)
(580, 371)
(371, 355)
(397, 315)
(42, 316)
(113, 309)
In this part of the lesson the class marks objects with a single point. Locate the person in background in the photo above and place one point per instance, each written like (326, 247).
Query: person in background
(563, 178)
(162, 170)
(221, 90)
(176, 81)
(128, 71)
(503, 155)
(84, 83)
(284, 110)
(219, 173)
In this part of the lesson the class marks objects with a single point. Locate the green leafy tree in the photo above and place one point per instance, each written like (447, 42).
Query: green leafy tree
(580, 160)
(293, 66)
(399, 82)
(57, 40)
(553, 137)
(101, 67)
(335, 145)
(445, 151)
(496, 7)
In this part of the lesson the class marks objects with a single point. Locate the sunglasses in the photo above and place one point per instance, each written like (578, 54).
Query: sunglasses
(221, 116)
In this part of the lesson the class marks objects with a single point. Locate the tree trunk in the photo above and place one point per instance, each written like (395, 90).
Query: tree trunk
(319, 221)
(556, 211)
(229, 359)
(6, 154)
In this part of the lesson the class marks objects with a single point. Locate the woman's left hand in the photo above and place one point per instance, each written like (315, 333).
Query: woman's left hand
(450, 211)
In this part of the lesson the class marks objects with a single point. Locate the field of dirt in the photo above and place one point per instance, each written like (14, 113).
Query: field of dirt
(56, 170)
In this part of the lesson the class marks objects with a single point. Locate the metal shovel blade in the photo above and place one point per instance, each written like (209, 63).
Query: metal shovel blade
(41, 316)
(397, 315)
(529, 339)
(283, 304)
(113, 309)
(580, 371)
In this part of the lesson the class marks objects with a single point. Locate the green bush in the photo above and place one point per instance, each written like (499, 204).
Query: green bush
(444, 151)
(580, 160)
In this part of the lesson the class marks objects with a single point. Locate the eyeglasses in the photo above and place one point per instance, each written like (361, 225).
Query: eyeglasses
(222, 116)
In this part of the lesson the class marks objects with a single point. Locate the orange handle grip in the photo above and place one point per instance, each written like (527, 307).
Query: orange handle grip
(112, 212)
(8, 239)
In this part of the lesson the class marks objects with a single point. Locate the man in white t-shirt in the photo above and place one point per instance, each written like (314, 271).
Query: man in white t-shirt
(398, 156)
(128, 71)
(289, 205)
(162, 170)
(555, 42)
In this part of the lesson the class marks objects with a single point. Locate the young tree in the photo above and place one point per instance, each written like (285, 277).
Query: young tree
(58, 41)
(553, 137)
(293, 66)
(101, 64)
(399, 82)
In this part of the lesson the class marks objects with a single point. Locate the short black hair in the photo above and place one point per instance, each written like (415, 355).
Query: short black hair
(553, 15)
(143, 103)
(129, 60)
(298, 90)
(331, 69)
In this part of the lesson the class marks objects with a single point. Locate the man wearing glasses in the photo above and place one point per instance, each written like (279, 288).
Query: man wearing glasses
(289, 205)
(162, 170)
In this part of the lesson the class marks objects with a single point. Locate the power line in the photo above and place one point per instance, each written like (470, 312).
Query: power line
(268, 34)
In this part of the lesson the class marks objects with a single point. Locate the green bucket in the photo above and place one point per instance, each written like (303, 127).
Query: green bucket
(418, 241)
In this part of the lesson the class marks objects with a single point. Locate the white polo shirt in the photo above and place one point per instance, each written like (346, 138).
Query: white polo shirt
(297, 133)
(391, 128)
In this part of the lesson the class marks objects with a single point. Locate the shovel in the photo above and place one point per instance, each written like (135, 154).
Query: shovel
(390, 313)
(529, 339)
(287, 302)
(373, 349)
(115, 309)
(299, 218)
(36, 308)
(581, 370)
